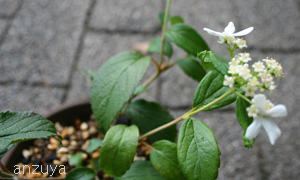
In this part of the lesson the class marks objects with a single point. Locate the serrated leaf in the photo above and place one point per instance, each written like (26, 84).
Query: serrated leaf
(22, 126)
(76, 159)
(155, 47)
(161, 16)
(81, 173)
(187, 38)
(175, 20)
(150, 115)
(192, 68)
(198, 151)
(164, 159)
(114, 84)
(210, 88)
(139, 90)
(219, 66)
(118, 149)
(141, 170)
(94, 144)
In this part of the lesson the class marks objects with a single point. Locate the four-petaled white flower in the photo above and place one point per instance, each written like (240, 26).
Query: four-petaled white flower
(265, 112)
(229, 32)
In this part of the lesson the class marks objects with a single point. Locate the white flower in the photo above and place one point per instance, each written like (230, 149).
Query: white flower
(228, 33)
(249, 90)
(244, 72)
(233, 69)
(253, 81)
(258, 66)
(229, 81)
(266, 111)
(244, 57)
(235, 61)
(240, 43)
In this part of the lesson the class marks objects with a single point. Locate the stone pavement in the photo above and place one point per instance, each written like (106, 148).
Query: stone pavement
(43, 42)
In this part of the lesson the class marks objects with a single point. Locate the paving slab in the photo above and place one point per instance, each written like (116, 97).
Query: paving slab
(42, 41)
(276, 23)
(3, 24)
(127, 15)
(20, 97)
(97, 49)
(8, 7)
(237, 162)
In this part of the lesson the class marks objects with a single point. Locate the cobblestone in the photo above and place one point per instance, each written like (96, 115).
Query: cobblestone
(8, 7)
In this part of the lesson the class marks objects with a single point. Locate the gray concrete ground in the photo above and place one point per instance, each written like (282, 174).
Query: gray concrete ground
(43, 42)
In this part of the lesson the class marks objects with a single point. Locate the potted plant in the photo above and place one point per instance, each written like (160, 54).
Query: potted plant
(196, 154)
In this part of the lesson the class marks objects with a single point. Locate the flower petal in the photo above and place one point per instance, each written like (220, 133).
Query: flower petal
(272, 129)
(244, 32)
(229, 29)
(253, 130)
(215, 33)
(278, 111)
(259, 101)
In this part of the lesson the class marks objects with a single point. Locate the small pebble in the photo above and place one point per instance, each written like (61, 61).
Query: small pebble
(84, 126)
(26, 153)
(84, 156)
(85, 135)
(58, 127)
(93, 130)
(85, 145)
(71, 130)
(63, 150)
(64, 158)
(95, 154)
(65, 143)
(57, 162)
(54, 142)
(36, 150)
(73, 143)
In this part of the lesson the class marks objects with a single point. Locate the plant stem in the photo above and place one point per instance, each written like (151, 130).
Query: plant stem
(161, 127)
(163, 36)
(154, 76)
(230, 51)
(239, 94)
(229, 92)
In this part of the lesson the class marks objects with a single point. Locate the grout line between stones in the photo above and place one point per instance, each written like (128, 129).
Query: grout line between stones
(123, 31)
(33, 84)
(10, 20)
(79, 49)
(261, 165)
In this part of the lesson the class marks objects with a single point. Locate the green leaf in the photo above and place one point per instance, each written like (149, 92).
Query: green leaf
(241, 113)
(205, 60)
(118, 149)
(76, 159)
(210, 88)
(221, 58)
(164, 159)
(141, 170)
(96, 164)
(243, 118)
(187, 38)
(198, 151)
(139, 90)
(114, 84)
(94, 144)
(192, 68)
(81, 173)
(219, 66)
(161, 16)
(150, 115)
(155, 47)
(22, 126)
(175, 20)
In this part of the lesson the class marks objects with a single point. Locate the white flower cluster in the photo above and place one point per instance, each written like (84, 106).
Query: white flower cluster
(240, 72)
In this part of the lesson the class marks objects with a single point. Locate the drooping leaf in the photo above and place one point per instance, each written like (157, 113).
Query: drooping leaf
(81, 173)
(94, 144)
(164, 159)
(187, 38)
(210, 88)
(150, 115)
(198, 151)
(243, 118)
(155, 47)
(76, 159)
(114, 84)
(192, 68)
(4, 149)
(22, 126)
(141, 170)
(219, 66)
(139, 90)
(175, 20)
(118, 149)
(161, 16)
